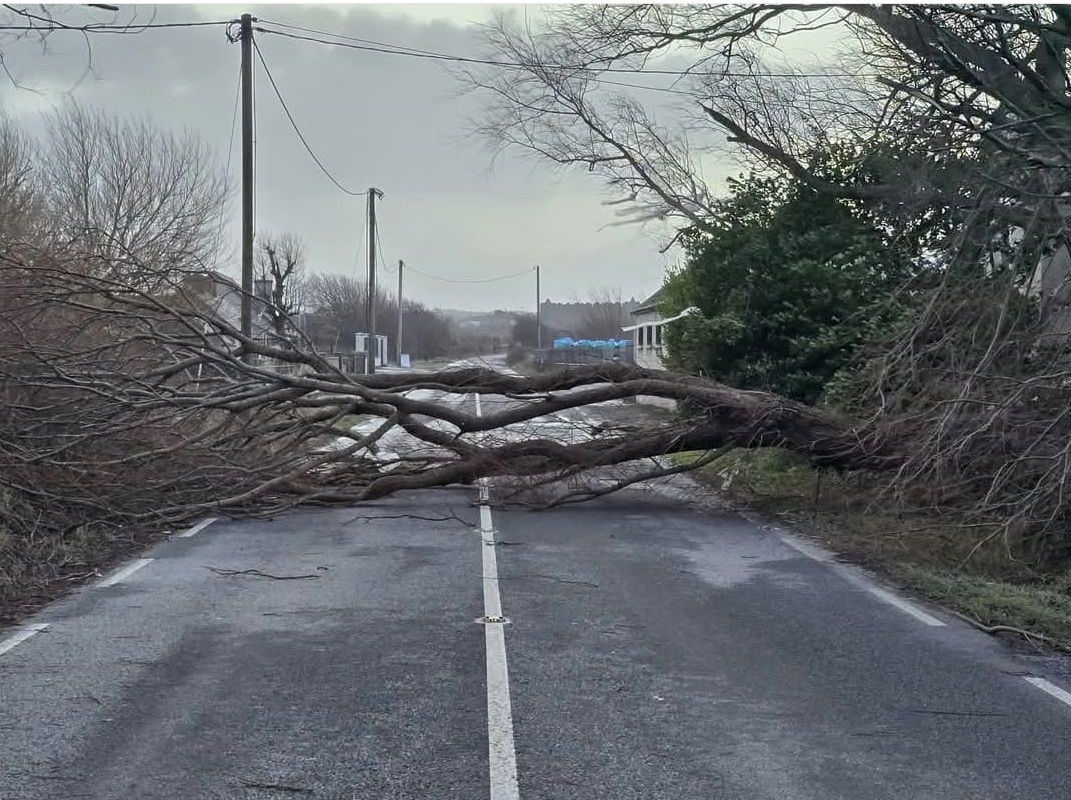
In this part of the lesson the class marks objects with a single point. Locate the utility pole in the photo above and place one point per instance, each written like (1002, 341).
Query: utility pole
(246, 35)
(372, 346)
(539, 314)
(401, 266)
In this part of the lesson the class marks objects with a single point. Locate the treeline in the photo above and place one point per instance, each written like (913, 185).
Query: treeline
(601, 316)
(336, 311)
(152, 205)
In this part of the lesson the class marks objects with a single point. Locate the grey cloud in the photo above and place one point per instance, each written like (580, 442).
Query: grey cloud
(397, 123)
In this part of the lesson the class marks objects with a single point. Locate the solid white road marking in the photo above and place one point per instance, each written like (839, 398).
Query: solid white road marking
(200, 526)
(1050, 688)
(502, 754)
(896, 602)
(808, 550)
(123, 572)
(21, 635)
(817, 554)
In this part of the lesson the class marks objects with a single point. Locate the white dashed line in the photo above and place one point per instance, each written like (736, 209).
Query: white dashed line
(1050, 688)
(123, 573)
(502, 754)
(21, 635)
(200, 526)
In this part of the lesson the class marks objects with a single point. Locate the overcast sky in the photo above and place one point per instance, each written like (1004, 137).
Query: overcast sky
(376, 120)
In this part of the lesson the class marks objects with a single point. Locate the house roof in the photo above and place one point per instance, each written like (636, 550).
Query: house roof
(650, 304)
(224, 298)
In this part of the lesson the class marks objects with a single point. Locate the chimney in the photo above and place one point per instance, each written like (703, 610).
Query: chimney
(262, 289)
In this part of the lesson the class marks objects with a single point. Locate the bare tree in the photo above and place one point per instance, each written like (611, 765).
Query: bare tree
(131, 193)
(340, 300)
(20, 193)
(338, 303)
(280, 264)
(937, 80)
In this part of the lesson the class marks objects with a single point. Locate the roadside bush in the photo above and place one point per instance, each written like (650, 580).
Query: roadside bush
(788, 283)
(516, 354)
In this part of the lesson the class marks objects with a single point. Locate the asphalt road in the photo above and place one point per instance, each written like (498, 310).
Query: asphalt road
(654, 651)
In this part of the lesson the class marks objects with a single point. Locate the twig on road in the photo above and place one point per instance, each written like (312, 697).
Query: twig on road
(276, 787)
(945, 713)
(549, 578)
(256, 573)
(453, 517)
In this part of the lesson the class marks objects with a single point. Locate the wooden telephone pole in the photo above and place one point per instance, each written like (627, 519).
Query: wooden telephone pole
(246, 36)
(401, 313)
(539, 314)
(372, 345)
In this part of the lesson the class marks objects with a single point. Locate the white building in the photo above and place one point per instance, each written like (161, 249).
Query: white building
(647, 335)
(648, 331)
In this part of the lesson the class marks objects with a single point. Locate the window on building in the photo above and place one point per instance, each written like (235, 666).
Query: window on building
(658, 335)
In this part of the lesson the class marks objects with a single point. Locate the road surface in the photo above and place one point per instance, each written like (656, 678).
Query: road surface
(652, 650)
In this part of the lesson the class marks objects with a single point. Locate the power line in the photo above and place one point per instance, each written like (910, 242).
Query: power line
(50, 24)
(131, 29)
(371, 45)
(667, 89)
(294, 125)
(410, 268)
(230, 151)
(344, 36)
(379, 250)
(464, 59)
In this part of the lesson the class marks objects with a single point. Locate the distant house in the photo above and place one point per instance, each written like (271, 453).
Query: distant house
(648, 331)
(647, 334)
(221, 296)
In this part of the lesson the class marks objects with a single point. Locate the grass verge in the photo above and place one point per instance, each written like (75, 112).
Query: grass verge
(972, 567)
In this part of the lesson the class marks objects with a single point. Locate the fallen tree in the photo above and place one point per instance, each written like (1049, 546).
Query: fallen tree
(125, 406)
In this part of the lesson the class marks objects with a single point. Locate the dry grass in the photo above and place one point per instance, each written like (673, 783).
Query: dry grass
(1040, 606)
(35, 570)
